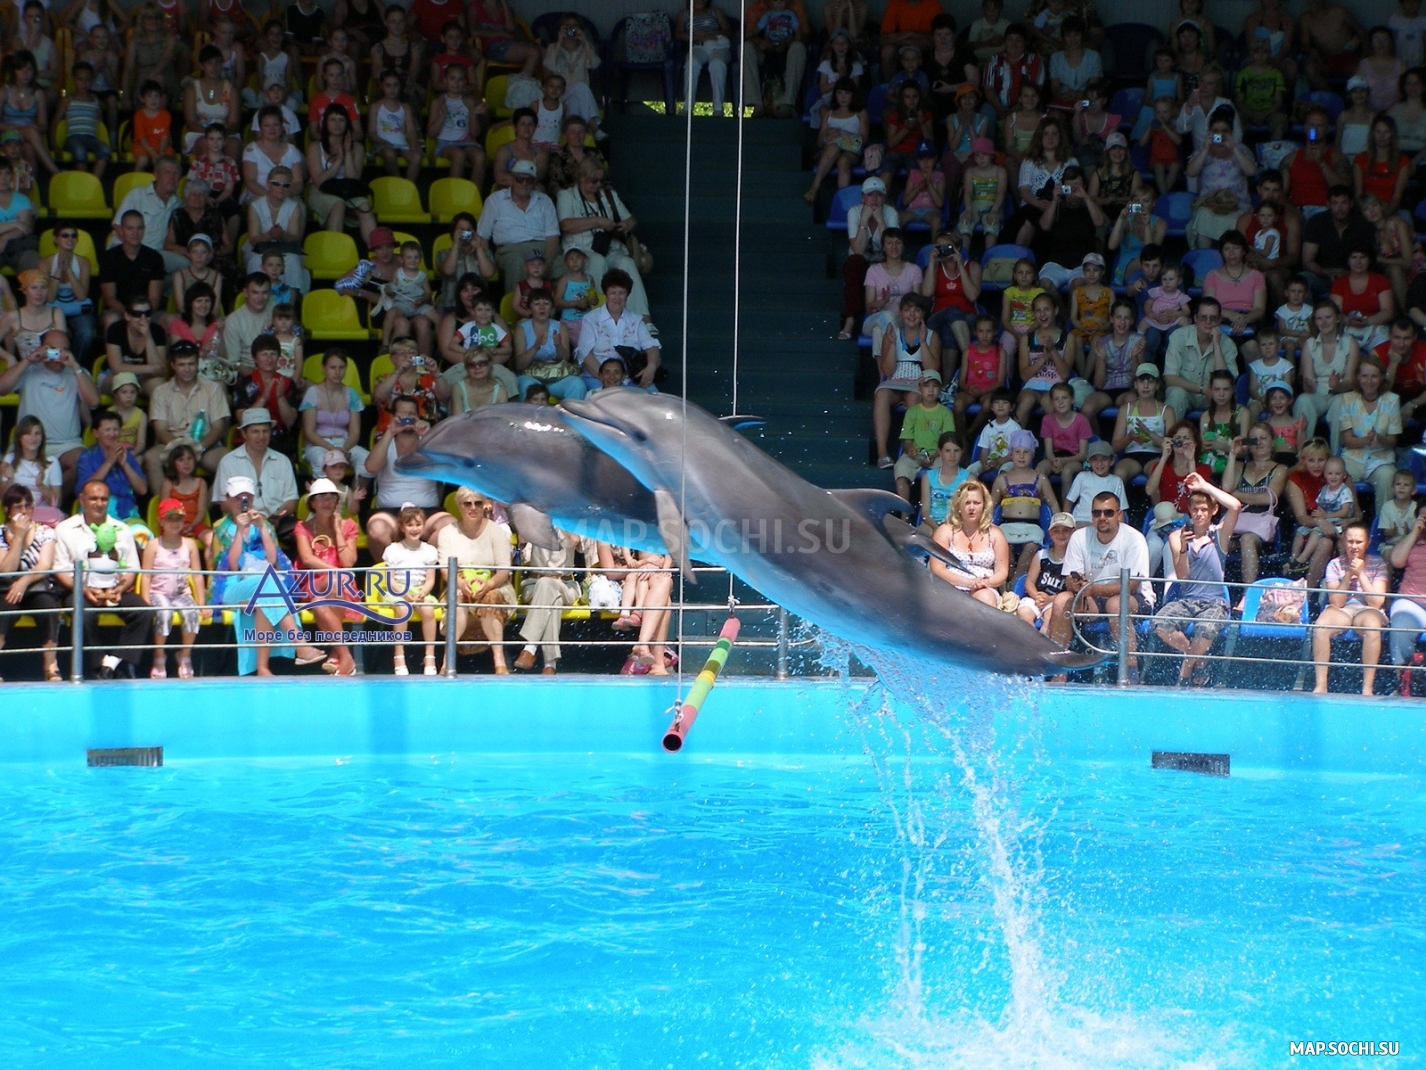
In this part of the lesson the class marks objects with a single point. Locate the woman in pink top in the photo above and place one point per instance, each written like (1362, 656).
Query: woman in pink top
(1241, 290)
(1408, 610)
(886, 284)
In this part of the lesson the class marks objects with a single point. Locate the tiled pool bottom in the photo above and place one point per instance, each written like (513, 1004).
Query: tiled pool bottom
(314, 880)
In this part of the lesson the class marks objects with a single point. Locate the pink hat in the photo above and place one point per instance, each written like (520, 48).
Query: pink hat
(983, 144)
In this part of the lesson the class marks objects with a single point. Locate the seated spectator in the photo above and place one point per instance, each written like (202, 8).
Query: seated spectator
(906, 354)
(1408, 609)
(1198, 550)
(1222, 167)
(1021, 492)
(459, 260)
(414, 376)
(394, 490)
(777, 49)
(1365, 299)
(907, 125)
(612, 331)
(1040, 178)
(1329, 367)
(187, 409)
(886, 282)
(456, 123)
(68, 277)
(1262, 91)
(1329, 237)
(27, 464)
(1258, 482)
(112, 462)
(22, 329)
(177, 587)
(270, 472)
(1381, 69)
(520, 149)
(1045, 578)
(411, 577)
(1204, 102)
(391, 125)
(514, 221)
(1397, 250)
(1193, 353)
(271, 149)
(200, 221)
(242, 326)
(1011, 69)
(867, 224)
(326, 542)
(181, 483)
(210, 98)
(18, 243)
(155, 202)
(276, 223)
(1383, 170)
(1357, 580)
(1403, 355)
(26, 110)
(138, 345)
(329, 414)
(1305, 483)
(1167, 483)
(480, 387)
(1093, 559)
(128, 271)
(1271, 23)
(52, 387)
(972, 539)
(482, 549)
(593, 217)
(1368, 425)
(1241, 292)
(841, 136)
(111, 560)
(1074, 66)
(1069, 224)
(201, 326)
(244, 549)
(1410, 114)
(1045, 359)
(646, 586)
(1092, 125)
(542, 351)
(941, 480)
(1065, 435)
(547, 593)
(27, 549)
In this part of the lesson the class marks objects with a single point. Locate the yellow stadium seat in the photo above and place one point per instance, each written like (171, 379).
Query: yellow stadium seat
(381, 367)
(451, 195)
(401, 238)
(330, 254)
(126, 183)
(332, 317)
(507, 308)
(397, 200)
(312, 368)
(431, 159)
(495, 95)
(497, 135)
(83, 246)
(61, 132)
(78, 195)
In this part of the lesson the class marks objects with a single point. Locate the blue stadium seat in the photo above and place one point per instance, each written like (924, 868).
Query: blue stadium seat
(1176, 209)
(845, 200)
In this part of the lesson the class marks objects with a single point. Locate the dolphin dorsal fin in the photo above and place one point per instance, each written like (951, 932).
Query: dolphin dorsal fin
(920, 545)
(873, 504)
(534, 526)
(740, 422)
(674, 532)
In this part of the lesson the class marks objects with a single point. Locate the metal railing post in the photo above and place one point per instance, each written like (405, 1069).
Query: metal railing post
(781, 643)
(1124, 625)
(452, 601)
(76, 656)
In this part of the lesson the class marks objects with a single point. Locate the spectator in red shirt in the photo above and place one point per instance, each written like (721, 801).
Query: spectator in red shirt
(431, 16)
(906, 22)
(906, 127)
(1403, 355)
(1011, 68)
(1383, 169)
(333, 73)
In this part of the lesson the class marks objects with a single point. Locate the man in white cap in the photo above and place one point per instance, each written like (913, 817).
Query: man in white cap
(52, 387)
(274, 481)
(514, 221)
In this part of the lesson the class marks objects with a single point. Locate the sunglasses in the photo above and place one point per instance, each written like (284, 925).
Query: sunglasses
(281, 185)
(476, 504)
(140, 312)
(67, 234)
(1104, 512)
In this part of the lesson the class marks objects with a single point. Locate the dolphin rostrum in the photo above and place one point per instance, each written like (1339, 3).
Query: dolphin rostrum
(835, 560)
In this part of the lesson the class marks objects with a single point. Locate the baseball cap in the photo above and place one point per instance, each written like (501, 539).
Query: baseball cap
(930, 375)
(169, 506)
(1100, 449)
(9, 135)
(1116, 140)
(873, 185)
(524, 167)
(1146, 369)
(1356, 81)
(334, 457)
(1278, 386)
(380, 236)
(253, 417)
(238, 485)
(925, 150)
(983, 144)
(1092, 258)
(1062, 520)
(534, 254)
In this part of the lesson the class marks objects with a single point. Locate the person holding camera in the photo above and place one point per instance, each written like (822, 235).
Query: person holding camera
(52, 387)
(394, 490)
(1067, 227)
(1222, 167)
(413, 376)
(461, 258)
(952, 282)
(593, 217)
(1198, 551)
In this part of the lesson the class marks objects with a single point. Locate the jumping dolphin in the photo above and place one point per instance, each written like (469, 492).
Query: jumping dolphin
(529, 458)
(832, 559)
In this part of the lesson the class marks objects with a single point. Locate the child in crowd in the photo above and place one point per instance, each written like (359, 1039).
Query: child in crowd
(456, 121)
(26, 112)
(1270, 369)
(337, 468)
(134, 422)
(97, 49)
(575, 292)
(214, 166)
(1408, 26)
(993, 443)
(454, 52)
(1354, 123)
(181, 483)
(987, 33)
(908, 69)
(393, 128)
(152, 127)
(176, 585)
(1141, 424)
(275, 93)
(1091, 126)
(410, 294)
(338, 49)
(985, 367)
(921, 430)
(1289, 430)
(778, 27)
(1020, 491)
(1045, 578)
(907, 125)
(1267, 242)
(288, 333)
(484, 331)
(983, 190)
(1065, 434)
(535, 268)
(14, 151)
(274, 266)
(279, 63)
(1044, 357)
(549, 114)
(1261, 91)
(411, 577)
(1163, 142)
(1097, 480)
(82, 111)
(1336, 504)
(925, 193)
(1015, 305)
(200, 269)
(939, 482)
(966, 124)
(539, 393)
(1294, 318)
(1398, 516)
(1222, 422)
(1138, 281)
(333, 78)
(1018, 129)
(1166, 305)
(1089, 311)
(1113, 359)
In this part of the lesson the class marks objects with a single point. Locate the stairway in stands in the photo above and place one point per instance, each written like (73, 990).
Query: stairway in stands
(791, 369)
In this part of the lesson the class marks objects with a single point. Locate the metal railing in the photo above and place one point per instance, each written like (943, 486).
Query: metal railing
(76, 608)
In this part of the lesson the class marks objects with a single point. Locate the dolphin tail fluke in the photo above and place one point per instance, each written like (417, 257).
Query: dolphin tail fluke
(535, 527)
(1068, 660)
(674, 532)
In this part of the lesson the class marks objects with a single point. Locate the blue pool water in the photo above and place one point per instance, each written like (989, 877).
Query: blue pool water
(822, 879)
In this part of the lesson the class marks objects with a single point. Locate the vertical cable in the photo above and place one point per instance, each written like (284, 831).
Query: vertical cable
(738, 216)
(687, 217)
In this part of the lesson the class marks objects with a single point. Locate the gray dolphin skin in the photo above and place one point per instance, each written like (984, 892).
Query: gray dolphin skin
(528, 457)
(823, 555)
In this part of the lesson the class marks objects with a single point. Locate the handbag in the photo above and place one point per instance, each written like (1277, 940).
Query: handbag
(636, 360)
(872, 156)
(1282, 603)
(1263, 525)
(639, 253)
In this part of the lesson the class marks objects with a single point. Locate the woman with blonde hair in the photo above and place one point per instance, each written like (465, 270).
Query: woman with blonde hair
(978, 546)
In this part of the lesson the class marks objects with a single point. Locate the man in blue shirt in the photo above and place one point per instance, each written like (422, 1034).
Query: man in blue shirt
(114, 463)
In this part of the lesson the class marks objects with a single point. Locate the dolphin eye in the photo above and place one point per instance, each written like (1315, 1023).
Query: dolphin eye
(639, 436)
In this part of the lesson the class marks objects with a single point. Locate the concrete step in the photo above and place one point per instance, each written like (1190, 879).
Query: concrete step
(760, 291)
(780, 184)
(724, 208)
(649, 131)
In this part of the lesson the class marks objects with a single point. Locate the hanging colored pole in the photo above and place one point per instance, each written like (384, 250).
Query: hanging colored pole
(683, 720)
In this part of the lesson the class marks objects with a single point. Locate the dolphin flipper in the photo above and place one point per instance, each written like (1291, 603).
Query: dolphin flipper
(920, 545)
(1067, 660)
(674, 532)
(872, 504)
(534, 526)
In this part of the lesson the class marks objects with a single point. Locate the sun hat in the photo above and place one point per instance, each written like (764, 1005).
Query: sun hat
(322, 486)
(983, 144)
(1356, 81)
(966, 90)
(253, 417)
(1165, 513)
(873, 185)
(123, 379)
(1023, 440)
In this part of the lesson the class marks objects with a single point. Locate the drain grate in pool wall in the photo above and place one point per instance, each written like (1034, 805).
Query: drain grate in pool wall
(1189, 762)
(146, 756)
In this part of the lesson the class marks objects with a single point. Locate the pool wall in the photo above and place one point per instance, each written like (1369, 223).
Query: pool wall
(293, 717)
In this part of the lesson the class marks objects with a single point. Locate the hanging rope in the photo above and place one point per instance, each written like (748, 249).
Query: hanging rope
(687, 222)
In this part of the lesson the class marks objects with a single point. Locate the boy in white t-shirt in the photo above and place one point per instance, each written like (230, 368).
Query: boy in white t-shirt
(993, 443)
(1294, 319)
(1095, 480)
(411, 577)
